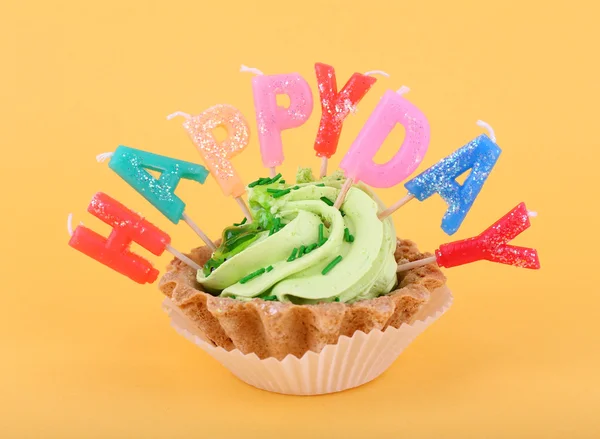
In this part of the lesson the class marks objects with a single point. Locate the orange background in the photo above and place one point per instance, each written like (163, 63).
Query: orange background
(88, 353)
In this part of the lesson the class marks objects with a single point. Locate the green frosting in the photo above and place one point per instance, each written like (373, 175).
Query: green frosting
(283, 255)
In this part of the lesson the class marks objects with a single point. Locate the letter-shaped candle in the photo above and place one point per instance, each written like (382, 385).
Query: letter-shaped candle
(392, 109)
(336, 105)
(132, 165)
(491, 245)
(217, 155)
(114, 251)
(271, 118)
(480, 155)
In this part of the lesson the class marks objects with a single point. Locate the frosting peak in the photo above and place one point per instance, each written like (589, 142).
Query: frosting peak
(299, 248)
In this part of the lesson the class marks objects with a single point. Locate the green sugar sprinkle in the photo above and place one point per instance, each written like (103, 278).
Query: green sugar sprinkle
(264, 180)
(259, 182)
(252, 276)
(310, 248)
(276, 226)
(270, 298)
(274, 191)
(281, 193)
(320, 185)
(301, 251)
(281, 181)
(269, 268)
(331, 265)
(293, 255)
(346, 235)
(321, 238)
(342, 213)
(296, 188)
(337, 299)
(327, 201)
(241, 223)
(351, 238)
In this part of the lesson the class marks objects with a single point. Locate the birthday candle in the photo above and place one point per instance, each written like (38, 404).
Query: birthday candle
(271, 118)
(217, 155)
(359, 165)
(491, 245)
(336, 106)
(480, 155)
(132, 165)
(127, 227)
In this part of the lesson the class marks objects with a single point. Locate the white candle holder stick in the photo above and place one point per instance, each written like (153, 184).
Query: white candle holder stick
(415, 264)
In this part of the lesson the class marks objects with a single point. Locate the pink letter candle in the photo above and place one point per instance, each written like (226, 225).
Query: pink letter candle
(271, 118)
(358, 164)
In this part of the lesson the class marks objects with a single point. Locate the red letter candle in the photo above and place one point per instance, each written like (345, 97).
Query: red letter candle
(114, 251)
(491, 245)
(336, 105)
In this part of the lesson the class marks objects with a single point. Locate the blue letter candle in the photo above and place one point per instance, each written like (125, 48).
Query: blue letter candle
(480, 155)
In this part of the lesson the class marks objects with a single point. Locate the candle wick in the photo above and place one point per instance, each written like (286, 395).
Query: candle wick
(244, 68)
(101, 158)
(488, 127)
(402, 90)
(377, 72)
(70, 224)
(178, 113)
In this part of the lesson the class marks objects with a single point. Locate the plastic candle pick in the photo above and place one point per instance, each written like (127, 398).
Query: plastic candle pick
(127, 227)
(132, 165)
(479, 155)
(491, 245)
(272, 118)
(358, 163)
(335, 108)
(218, 154)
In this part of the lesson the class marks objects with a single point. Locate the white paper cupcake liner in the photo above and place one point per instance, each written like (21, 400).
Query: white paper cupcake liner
(351, 362)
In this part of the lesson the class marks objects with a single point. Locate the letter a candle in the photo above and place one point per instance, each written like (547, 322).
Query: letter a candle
(480, 155)
(132, 165)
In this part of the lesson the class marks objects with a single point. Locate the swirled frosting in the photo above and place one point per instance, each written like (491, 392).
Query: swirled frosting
(301, 249)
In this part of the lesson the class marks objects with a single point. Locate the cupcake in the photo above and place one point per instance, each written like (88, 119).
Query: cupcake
(302, 281)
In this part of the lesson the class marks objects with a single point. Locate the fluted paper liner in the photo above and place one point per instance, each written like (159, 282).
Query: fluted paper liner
(351, 362)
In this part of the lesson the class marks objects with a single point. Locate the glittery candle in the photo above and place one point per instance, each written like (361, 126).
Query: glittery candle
(271, 118)
(114, 251)
(217, 155)
(480, 155)
(491, 245)
(392, 109)
(132, 165)
(336, 105)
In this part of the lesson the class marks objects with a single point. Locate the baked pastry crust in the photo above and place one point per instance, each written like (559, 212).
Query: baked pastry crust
(276, 329)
